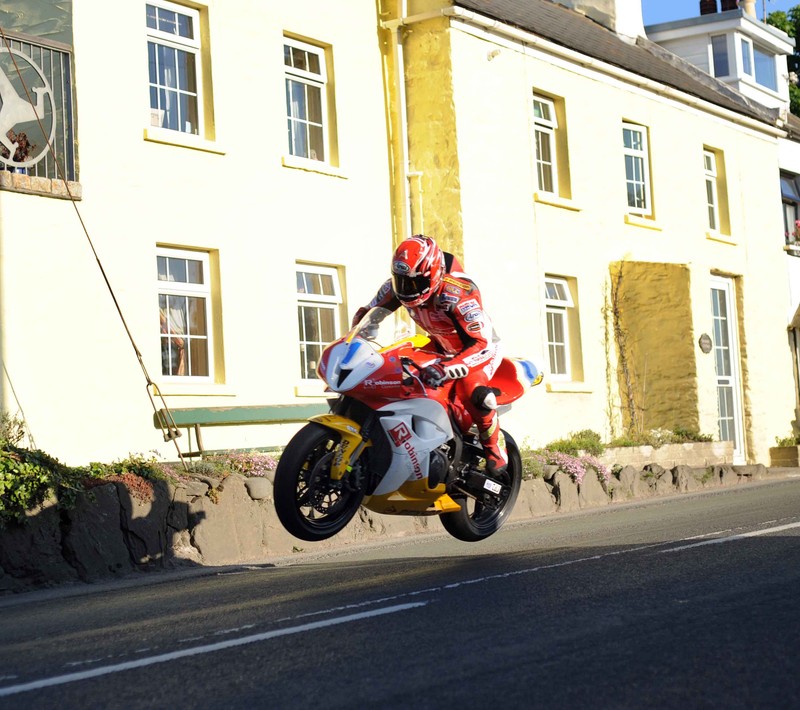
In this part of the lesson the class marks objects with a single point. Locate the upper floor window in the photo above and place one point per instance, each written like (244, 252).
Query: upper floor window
(747, 56)
(319, 298)
(545, 125)
(29, 129)
(637, 169)
(306, 100)
(184, 306)
(712, 197)
(174, 61)
(719, 55)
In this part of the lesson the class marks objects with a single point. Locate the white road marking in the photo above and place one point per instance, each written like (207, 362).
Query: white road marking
(733, 538)
(198, 650)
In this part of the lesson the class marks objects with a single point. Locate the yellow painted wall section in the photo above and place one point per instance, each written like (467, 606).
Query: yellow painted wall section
(435, 190)
(654, 315)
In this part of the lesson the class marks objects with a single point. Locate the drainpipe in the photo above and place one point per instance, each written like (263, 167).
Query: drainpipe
(518, 35)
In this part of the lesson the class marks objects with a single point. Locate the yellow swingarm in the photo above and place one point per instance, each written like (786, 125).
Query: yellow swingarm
(349, 448)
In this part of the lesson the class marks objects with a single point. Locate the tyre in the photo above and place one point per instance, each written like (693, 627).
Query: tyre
(477, 521)
(309, 504)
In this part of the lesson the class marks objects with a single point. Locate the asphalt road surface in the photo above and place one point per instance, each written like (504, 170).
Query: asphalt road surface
(691, 602)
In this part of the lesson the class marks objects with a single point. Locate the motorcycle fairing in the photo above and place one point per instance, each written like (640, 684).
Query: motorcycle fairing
(414, 429)
(349, 363)
(413, 498)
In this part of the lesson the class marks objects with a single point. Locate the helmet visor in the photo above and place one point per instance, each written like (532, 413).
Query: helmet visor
(410, 288)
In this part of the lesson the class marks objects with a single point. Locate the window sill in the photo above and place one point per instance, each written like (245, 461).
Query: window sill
(46, 187)
(548, 198)
(181, 140)
(721, 238)
(792, 249)
(568, 387)
(311, 166)
(644, 222)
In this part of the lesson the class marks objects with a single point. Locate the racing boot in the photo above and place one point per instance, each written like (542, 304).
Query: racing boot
(494, 449)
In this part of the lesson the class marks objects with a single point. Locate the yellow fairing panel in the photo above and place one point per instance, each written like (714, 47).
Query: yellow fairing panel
(351, 438)
(413, 498)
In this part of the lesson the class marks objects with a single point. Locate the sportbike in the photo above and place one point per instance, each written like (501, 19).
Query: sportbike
(393, 445)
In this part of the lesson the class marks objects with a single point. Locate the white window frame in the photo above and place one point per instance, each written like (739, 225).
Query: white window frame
(558, 301)
(712, 191)
(545, 133)
(192, 46)
(637, 157)
(315, 81)
(322, 302)
(181, 289)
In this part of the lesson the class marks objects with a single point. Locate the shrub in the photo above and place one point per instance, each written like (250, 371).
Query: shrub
(658, 437)
(791, 440)
(585, 440)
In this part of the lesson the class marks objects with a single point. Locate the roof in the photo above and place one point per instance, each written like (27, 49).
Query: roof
(571, 29)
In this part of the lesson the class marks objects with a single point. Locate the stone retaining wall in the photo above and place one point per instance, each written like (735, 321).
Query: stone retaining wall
(111, 533)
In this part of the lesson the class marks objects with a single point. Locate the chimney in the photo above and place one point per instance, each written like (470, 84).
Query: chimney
(729, 5)
(708, 7)
(621, 16)
(749, 7)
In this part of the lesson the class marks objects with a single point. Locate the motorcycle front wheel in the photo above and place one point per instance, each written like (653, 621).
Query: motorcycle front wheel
(310, 505)
(477, 521)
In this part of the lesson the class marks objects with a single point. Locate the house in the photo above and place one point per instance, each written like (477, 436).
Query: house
(730, 43)
(243, 175)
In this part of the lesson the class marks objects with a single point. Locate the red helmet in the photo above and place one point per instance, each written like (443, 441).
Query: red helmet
(417, 270)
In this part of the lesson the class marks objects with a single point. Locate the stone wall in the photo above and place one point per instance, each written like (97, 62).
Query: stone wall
(695, 454)
(112, 533)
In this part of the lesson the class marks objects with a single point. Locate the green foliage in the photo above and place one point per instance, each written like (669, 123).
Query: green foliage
(658, 437)
(791, 440)
(27, 478)
(789, 22)
(584, 441)
(12, 429)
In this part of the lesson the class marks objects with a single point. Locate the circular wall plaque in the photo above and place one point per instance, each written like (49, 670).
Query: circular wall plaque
(705, 343)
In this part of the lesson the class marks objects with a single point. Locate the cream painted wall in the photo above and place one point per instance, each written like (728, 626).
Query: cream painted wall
(511, 241)
(76, 375)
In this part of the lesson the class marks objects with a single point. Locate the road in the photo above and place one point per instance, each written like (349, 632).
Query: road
(691, 602)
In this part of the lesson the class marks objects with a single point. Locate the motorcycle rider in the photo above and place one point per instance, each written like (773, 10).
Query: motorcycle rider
(446, 303)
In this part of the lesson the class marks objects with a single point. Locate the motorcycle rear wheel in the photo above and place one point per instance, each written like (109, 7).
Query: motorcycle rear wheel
(476, 521)
(310, 505)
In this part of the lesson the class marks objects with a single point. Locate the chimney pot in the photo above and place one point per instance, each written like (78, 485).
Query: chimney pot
(729, 5)
(708, 7)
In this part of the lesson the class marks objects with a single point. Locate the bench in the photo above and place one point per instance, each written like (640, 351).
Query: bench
(195, 418)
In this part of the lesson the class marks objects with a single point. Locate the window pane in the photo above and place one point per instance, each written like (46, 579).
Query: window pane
(299, 58)
(747, 65)
(719, 50)
(314, 98)
(151, 63)
(326, 284)
(327, 319)
(151, 16)
(315, 141)
(177, 270)
(185, 26)
(297, 100)
(167, 67)
(167, 21)
(197, 316)
(311, 324)
(313, 353)
(188, 110)
(187, 80)
(765, 69)
(198, 357)
(162, 268)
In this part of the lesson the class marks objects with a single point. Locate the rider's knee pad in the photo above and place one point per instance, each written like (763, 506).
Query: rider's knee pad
(484, 398)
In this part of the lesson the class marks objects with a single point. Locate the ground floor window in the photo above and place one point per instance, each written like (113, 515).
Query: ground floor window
(319, 299)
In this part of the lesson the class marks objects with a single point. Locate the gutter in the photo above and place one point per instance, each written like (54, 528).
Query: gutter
(526, 37)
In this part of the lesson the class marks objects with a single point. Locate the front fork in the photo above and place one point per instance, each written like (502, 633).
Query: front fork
(353, 441)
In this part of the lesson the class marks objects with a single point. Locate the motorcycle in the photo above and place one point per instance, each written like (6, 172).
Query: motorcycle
(393, 445)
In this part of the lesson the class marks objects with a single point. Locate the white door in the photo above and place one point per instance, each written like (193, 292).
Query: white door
(726, 363)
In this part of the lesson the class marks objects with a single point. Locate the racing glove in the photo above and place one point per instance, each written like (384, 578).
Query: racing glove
(433, 375)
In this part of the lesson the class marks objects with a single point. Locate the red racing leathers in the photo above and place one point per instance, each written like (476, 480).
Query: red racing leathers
(462, 334)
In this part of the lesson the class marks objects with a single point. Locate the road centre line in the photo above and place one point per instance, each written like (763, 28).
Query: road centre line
(734, 538)
(198, 650)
